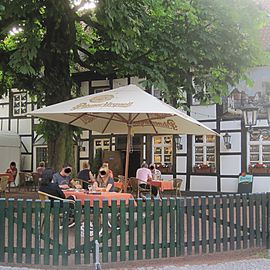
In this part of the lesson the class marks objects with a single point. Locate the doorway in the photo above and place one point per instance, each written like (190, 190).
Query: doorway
(134, 162)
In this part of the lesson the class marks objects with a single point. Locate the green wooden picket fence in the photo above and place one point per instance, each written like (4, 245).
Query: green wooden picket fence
(142, 230)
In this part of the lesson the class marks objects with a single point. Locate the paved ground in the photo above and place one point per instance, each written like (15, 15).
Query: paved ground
(258, 264)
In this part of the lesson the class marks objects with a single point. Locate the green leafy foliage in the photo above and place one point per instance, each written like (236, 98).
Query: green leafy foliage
(189, 46)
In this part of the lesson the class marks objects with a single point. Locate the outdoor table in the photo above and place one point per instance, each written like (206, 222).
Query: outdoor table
(85, 195)
(162, 185)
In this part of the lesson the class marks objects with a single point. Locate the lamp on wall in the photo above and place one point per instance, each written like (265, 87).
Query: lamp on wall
(227, 140)
(250, 114)
(178, 142)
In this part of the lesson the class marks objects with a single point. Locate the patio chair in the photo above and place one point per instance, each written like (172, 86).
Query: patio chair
(43, 196)
(137, 190)
(36, 180)
(124, 181)
(177, 182)
(22, 182)
(4, 185)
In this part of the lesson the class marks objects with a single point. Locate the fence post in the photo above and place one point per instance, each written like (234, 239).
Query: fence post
(268, 221)
(97, 264)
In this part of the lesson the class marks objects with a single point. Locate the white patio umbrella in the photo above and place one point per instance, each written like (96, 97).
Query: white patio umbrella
(124, 110)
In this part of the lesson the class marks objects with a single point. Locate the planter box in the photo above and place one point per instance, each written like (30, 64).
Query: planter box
(259, 170)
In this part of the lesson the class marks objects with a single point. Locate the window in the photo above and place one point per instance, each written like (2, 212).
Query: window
(259, 149)
(205, 150)
(103, 144)
(41, 155)
(19, 103)
(162, 152)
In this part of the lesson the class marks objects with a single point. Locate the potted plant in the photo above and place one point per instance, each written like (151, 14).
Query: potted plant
(203, 168)
(259, 168)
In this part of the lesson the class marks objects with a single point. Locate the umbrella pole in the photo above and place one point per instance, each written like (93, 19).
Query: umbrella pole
(127, 157)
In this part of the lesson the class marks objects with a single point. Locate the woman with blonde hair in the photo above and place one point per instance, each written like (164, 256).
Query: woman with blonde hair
(104, 180)
(86, 174)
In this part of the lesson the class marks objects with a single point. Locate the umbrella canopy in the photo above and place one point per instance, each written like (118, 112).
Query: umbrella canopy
(124, 110)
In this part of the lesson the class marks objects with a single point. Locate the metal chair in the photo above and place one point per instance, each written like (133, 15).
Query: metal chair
(177, 182)
(4, 181)
(43, 196)
(137, 190)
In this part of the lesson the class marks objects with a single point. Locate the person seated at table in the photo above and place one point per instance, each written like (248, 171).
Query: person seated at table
(41, 167)
(104, 180)
(86, 175)
(106, 164)
(64, 177)
(12, 170)
(47, 186)
(144, 175)
(156, 174)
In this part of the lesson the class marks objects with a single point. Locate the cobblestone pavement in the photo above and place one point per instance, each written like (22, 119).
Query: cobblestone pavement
(258, 264)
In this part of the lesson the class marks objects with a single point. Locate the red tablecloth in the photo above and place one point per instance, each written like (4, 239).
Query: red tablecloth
(81, 195)
(162, 185)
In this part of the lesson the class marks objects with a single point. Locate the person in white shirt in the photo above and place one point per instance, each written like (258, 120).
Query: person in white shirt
(144, 175)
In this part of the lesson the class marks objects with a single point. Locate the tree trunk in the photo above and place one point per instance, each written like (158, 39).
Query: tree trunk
(58, 41)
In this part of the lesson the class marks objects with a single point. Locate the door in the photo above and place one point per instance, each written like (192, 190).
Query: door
(134, 162)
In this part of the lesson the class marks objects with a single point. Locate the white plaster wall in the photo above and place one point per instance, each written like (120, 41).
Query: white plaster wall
(203, 183)
(230, 165)
(100, 83)
(181, 164)
(261, 184)
(25, 126)
(203, 112)
(229, 125)
(211, 125)
(167, 177)
(3, 124)
(13, 125)
(229, 184)
(4, 110)
(235, 143)
(27, 141)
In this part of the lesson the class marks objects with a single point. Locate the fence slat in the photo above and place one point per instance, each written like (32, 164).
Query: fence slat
(47, 232)
(140, 230)
(224, 223)
(196, 225)
(131, 224)
(251, 220)
(156, 228)
(238, 222)
(231, 220)
(114, 230)
(56, 224)
(105, 230)
(218, 224)
(245, 218)
(97, 223)
(19, 235)
(164, 227)
(37, 232)
(189, 226)
(211, 223)
(257, 221)
(64, 252)
(148, 233)
(87, 237)
(172, 227)
(203, 223)
(10, 216)
(264, 219)
(28, 246)
(2, 229)
(123, 230)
